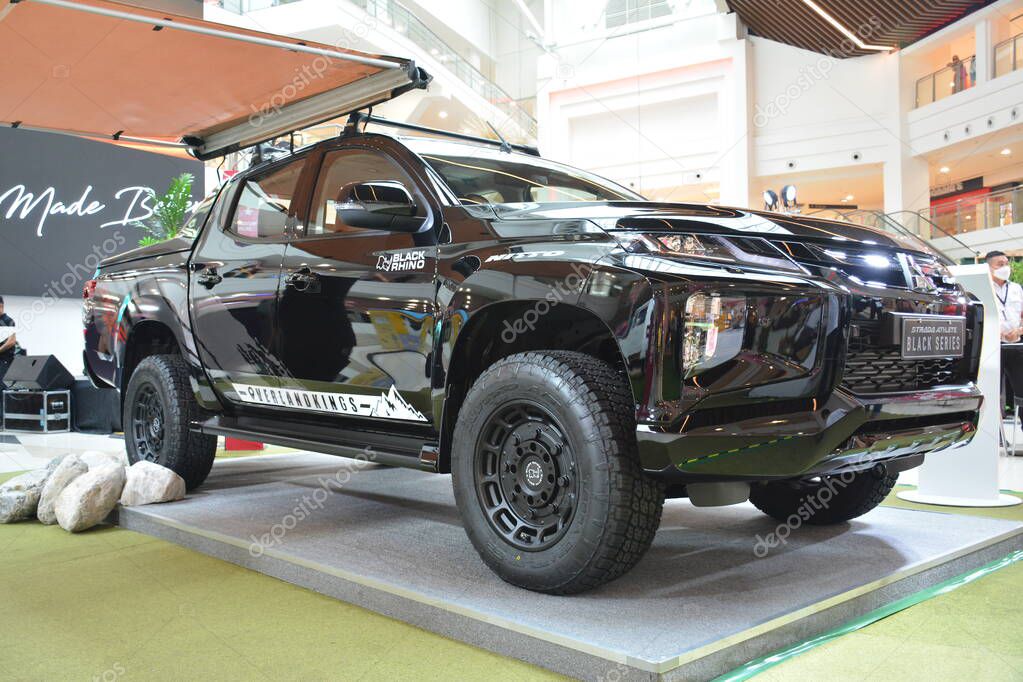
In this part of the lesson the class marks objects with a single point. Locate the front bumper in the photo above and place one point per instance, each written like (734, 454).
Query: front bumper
(847, 433)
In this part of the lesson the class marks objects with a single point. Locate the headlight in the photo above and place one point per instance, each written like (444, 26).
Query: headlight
(730, 249)
(730, 340)
(713, 332)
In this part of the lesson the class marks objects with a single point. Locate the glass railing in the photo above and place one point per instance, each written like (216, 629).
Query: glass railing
(956, 77)
(402, 20)
(971, 214)
(1009, 55)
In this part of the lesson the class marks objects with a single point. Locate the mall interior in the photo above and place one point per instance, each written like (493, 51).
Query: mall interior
(697, 142)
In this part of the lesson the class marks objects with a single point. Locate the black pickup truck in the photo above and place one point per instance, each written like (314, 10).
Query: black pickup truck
(570, 352)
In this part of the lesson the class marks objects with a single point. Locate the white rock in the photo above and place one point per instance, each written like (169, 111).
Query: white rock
(150, 483)
(33, 480)
(19, 497)
(70, 468)
(90, 498)
(18, 505)
(95, 458)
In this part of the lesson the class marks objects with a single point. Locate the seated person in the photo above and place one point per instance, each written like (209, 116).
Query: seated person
(8, 344)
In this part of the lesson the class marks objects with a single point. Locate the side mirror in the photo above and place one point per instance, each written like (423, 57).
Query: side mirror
(378, 205)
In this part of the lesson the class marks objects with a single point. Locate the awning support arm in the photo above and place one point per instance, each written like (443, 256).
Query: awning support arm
(115, 137)
(167, 23)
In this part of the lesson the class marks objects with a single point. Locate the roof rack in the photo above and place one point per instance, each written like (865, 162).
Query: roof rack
(357, 117)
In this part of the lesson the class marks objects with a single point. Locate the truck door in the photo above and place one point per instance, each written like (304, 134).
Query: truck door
(356, 317)
(233, 285)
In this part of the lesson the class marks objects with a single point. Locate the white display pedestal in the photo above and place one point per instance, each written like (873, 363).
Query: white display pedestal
(968, 476)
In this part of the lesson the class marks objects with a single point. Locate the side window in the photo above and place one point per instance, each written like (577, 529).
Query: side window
(264, 202)
(343, 167)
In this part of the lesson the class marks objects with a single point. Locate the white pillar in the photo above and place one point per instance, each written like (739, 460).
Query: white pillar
(906, 174)
(906, 180)
(985, 55)
(735, 107)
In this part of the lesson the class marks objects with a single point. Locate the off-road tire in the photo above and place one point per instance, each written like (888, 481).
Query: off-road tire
(189, 454)
(617, 509)
(825, 500)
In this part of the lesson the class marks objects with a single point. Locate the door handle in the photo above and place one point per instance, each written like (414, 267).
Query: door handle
(209, 278)
(303, 280)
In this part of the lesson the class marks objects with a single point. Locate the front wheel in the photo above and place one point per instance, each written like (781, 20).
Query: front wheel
(159, 407)
(546, 473)
(823, 500)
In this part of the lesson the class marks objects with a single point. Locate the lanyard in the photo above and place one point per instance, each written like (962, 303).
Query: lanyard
(1003, 300)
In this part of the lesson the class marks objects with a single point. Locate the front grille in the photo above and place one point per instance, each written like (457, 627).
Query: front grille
(871, 368)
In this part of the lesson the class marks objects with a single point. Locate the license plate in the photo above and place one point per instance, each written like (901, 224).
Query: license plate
(933, 337)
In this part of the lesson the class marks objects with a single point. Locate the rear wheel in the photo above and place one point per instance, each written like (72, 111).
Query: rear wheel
(546, 473)
(824, 500)
(159, 407)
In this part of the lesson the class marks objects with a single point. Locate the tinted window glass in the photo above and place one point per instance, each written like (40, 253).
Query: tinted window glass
(499, 178)
(265, 202)
(197, 219)
(382, 176)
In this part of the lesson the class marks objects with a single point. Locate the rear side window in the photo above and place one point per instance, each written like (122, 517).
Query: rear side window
(264, 203)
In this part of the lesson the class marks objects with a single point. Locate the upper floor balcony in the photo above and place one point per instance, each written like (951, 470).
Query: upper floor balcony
(958, 75)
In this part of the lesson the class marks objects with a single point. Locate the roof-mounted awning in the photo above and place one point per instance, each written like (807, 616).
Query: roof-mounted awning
(106, 70)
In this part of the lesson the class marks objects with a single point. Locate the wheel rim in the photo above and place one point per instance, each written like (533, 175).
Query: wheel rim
(148, 424)
(525, 476)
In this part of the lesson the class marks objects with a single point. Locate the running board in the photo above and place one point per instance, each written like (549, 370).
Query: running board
(426, 458)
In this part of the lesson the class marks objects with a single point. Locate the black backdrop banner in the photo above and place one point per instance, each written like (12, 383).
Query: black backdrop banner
(67, 203)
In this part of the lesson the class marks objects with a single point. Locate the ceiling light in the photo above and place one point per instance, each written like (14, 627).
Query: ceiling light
(944, 169)
(848, 197)
(843, 30)
(442, 114)
(1005, 152)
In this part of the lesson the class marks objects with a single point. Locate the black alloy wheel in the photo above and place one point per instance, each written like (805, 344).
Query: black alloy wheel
(546, 473)
(147, 424)
(159, 412)
(525, 474)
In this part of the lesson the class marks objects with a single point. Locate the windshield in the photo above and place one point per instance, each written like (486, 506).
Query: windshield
(483, 177)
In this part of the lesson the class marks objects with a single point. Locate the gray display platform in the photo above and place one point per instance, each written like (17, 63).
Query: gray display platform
(701, 603)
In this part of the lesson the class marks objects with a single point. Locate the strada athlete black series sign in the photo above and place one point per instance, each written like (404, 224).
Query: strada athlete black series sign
(933, 338)
(570, 352)
(67, 203)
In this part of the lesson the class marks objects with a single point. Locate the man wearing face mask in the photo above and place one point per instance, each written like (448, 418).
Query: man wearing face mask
(1009, 298)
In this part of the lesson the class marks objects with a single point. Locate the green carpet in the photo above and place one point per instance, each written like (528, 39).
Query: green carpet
(111, 604)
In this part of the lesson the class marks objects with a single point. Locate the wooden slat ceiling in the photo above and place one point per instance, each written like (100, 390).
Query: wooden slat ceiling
(894, 23)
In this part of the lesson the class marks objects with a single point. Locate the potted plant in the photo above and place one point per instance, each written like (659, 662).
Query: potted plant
(169, 212)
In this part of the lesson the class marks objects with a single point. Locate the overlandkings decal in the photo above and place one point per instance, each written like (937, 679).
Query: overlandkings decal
(390, 405)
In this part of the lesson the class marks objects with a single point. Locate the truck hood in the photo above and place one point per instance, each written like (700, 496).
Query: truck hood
(656, 217)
